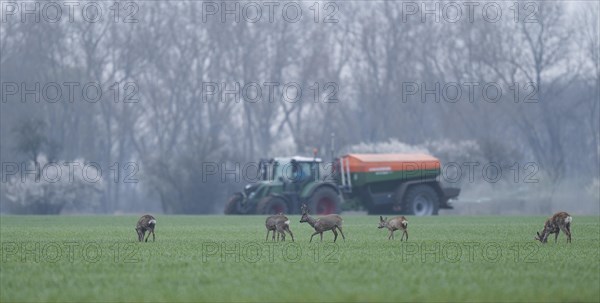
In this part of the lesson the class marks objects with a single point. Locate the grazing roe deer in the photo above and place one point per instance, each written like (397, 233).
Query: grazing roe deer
(559, 221)
(280, 224)
(325, 223)
(396, 223)
(145, 223)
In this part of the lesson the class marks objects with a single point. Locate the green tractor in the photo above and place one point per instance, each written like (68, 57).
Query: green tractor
(286, 183)
(381, 183)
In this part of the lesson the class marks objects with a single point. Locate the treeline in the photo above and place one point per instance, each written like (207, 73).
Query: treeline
(149, 92)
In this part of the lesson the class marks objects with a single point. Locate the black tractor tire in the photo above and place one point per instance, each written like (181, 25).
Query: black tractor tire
(325, 201)
(236, 206)
(272, 205)
(421, 200)
(233, 206)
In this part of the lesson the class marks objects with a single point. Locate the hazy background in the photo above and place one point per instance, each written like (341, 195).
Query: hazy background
(151, 140)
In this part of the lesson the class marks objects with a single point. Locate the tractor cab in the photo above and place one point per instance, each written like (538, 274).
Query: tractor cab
(294, 170)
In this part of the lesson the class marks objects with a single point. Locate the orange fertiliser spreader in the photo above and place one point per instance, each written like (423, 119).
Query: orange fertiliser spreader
(391, 162)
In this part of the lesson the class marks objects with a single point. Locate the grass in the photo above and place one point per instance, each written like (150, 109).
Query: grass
(218, 258)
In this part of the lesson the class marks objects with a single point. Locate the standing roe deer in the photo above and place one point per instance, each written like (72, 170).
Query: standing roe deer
(325, 223)
(280, 224)
(396, 223)
(145, 223)
(559, 221)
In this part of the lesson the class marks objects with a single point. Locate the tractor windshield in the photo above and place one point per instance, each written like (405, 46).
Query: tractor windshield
(294, 171)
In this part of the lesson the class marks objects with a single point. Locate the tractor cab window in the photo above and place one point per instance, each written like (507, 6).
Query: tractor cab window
(294, 171)
(300, 171)
(266, 170)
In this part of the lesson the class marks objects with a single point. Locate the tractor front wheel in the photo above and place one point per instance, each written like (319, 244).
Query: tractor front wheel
(236, 205)
(232, 206)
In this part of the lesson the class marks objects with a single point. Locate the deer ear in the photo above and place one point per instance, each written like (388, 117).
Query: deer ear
(380, 218)
(386, 218)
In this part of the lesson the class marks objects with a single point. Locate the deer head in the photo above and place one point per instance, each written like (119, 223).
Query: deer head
(382, 222)
(543, 238)
(305, 216)
(140, 233)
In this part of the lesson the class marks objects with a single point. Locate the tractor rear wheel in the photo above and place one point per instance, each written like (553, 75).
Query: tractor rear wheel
(272, 205)
(421, 200)
(325, 201)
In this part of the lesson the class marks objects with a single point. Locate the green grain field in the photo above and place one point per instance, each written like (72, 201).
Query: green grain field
(226, 258)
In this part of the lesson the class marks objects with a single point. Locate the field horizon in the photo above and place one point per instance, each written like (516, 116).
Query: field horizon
(92, 258)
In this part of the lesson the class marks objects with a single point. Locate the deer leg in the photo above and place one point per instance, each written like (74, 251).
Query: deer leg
(153, 236)
(406, 233)
(334, 234)
(148, 236)
(321, 233)
(282, 234)
(567, 233)
(316, 232)
(340, 229)
(556, 236)
(402, 236)
(290, 232)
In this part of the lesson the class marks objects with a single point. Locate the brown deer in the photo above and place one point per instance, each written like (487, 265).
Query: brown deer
(559, 221)
(280, 224)
(325, 223)
(394, 224)
(145, 223)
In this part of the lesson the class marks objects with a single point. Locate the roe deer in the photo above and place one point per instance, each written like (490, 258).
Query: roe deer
(145, 223)
(280, 224)
(396, 223)
(325, 223)
(559, 221)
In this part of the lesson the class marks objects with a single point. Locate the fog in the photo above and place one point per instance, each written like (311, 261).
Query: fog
(122, 107)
